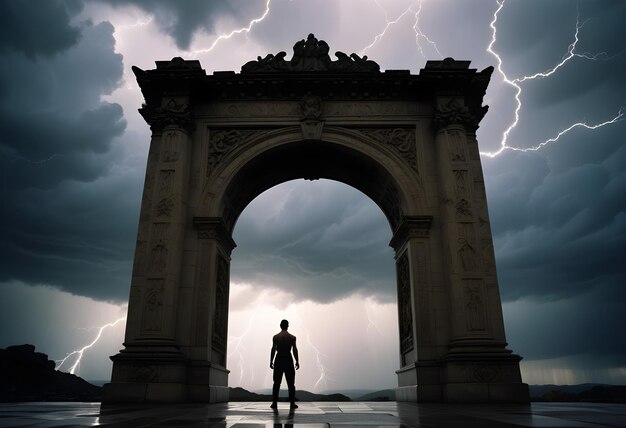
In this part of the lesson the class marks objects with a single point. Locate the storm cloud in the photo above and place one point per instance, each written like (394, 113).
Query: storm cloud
(58, 151)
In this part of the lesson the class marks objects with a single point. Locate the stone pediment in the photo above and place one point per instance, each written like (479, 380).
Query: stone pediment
(311, 55)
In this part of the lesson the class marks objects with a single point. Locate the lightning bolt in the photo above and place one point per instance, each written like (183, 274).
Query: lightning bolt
(239, 349)
(35, 162)
(515, 83)
(245, 29)
(79, 353)
(388, 24)
(320, 365)
(419, 33)
(371, 323)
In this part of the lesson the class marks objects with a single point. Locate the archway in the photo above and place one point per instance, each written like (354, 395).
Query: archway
(317, 254)
(406, 141)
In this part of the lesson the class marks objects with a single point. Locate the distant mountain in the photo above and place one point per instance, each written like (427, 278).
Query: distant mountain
(382, 395)
(240, 394)
(587, 392)
(26, 375)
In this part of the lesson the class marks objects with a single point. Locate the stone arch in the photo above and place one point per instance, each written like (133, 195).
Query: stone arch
(343, 156)
(407, 141)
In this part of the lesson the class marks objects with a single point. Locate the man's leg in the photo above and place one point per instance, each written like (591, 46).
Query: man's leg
(290, 377)
(278, 378)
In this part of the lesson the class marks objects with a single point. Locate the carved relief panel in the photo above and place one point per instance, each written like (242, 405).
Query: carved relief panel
(466, 250)
(405, 310)
(224, 141)
(401, 140)
(153, 306)
(220, 320)
(474, 305)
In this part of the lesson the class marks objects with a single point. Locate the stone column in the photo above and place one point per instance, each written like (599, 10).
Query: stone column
(478, 367)
(151, 367)
(207, 373)
(419, 378)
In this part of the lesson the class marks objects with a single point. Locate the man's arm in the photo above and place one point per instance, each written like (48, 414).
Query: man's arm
(272, 353)
(295, 353)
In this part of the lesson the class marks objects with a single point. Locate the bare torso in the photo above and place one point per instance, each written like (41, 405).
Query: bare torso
(283, 342)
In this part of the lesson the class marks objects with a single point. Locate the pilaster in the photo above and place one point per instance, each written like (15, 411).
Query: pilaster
(478, 367)
(151, 367)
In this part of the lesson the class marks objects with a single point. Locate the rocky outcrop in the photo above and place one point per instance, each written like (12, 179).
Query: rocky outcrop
(26, 375)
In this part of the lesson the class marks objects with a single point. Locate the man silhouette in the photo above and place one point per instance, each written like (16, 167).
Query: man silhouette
(282, 345)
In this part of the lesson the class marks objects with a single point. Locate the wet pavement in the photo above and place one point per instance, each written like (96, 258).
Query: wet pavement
(313, 415)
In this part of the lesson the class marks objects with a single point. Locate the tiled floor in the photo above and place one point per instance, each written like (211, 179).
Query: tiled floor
(314, 415)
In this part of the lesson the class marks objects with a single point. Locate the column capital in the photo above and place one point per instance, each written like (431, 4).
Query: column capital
(172, 113)
(454, 112)
(411, 226)
(215, 228)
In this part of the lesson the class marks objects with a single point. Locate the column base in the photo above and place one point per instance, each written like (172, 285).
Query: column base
(159, 373)
(144, 392)
(479, 392)
(469, 378)
(207, 382)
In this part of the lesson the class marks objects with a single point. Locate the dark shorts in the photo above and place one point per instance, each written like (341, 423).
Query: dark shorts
(284, 365)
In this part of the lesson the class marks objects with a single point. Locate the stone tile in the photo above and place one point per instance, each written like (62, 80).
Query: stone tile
(313, 415)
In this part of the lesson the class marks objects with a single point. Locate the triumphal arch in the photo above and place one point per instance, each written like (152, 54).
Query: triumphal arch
(407, 141)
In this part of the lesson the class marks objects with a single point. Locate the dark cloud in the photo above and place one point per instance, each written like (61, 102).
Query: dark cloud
(582, 325)
(51, 109)
(37, 28)
(559, 216)
(66, 217)
(181, 20)
(324, 242)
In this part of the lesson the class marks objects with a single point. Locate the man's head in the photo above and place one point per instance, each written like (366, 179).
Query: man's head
(284, 324)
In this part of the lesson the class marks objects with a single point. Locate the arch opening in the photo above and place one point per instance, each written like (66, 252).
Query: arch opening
(312, 160)
(315, 253)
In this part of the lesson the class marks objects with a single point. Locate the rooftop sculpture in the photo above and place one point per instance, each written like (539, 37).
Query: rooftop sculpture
(310, 55)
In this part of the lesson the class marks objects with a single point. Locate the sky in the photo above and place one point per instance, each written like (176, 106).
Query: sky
(73, 152)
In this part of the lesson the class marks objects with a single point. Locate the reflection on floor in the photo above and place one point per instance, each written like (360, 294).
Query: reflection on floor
(314, 415)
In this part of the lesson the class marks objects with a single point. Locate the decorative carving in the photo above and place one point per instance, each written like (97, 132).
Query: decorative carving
(400, 139)
(222, 142)
(463, 210)
(486, 374)
(460, 180)
(311, 55)
(172, 113)
(164, 207)
(153, 314)
(467, 256)
(310, 107)
(143, 374)
(456, 145)
(170, 151)
(475, 309)
(220, 320)
(166, 182)
(453, 112)
(405, 305)
(158, 259)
